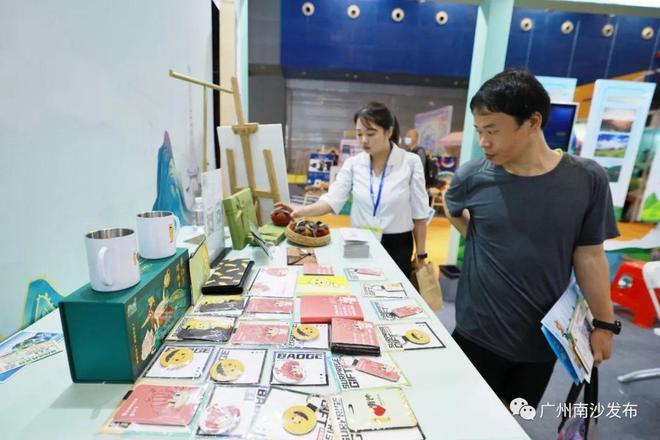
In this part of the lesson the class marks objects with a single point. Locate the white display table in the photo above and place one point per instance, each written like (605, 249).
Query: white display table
(448, 396)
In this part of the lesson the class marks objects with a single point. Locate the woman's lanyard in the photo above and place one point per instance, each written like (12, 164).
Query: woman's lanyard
(376, 202)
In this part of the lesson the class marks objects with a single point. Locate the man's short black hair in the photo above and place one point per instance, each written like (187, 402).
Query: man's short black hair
(515, 92)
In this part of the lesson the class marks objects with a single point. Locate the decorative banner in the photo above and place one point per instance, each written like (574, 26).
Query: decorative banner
(650, 211)
(433, 126)
(559, 89)
(614, 131)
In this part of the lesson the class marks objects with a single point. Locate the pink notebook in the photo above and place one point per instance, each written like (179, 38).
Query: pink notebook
(321, 309)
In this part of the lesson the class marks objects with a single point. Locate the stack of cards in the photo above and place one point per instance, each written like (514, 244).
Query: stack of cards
(396, 309)
(259, 332)
(356, 242)
(269, 308)
(318, 269)
(322, 309)
(354, 337)
(203, 327)
(383, 290)
(226, 305)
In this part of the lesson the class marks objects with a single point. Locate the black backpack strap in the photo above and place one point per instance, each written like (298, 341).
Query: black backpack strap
(590, 399)
(573, 394)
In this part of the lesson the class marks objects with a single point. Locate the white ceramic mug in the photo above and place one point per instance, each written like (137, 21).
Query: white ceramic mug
(112, 259)
(157, 232)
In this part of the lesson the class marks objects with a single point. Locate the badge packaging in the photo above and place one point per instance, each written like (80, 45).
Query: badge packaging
(373, 409)
(226, 305)
(299, 368)
(364, 274)
(205, 328)
(309, 336)
(409, 336)
(180, 362)
(288, 414)
(397, 309)
(361, 372)
(238, 366)
(230, 410)
(383, 290)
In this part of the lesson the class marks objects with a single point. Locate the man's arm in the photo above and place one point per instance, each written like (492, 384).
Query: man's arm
(461, 222)
(592, 272)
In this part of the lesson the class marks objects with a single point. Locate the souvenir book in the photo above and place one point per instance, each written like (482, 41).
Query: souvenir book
(357, 372)
(364, 274)
(180, 362)
(398, 309)
(160, 405)
(288, 415)
(299, 368)
(354, 337)
(228, 277)
(383, 290)
(260, 332)
(274, 281)
(322, 285)
(296, 256)
(230, 410)
(224, 305)
(322, 309)
(237, 366)
(309, 336)
(204, 328)
(409, 336)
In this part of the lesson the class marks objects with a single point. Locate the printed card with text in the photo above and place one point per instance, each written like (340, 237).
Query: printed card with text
(383, 290)
(160, 405)
(364, 274)
(398, 309)
(356, 372)
(258, 332)
(274, 281)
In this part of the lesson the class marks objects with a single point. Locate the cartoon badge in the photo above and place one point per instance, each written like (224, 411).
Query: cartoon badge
(416, 336)
(304, 332)
(220, 419)
(176, 357)
(227, 370)
(290, 371)
(299, 420)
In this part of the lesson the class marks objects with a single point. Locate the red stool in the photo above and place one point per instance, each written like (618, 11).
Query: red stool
(629, 291)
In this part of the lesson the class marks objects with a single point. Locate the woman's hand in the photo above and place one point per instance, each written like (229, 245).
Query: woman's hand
(293, 210)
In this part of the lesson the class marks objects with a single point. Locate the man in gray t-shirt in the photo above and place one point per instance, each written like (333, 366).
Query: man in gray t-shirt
(530, 216)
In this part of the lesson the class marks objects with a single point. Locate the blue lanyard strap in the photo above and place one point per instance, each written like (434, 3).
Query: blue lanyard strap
(376, 203)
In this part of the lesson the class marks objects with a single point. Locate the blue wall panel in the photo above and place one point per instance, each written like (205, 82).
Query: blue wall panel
(330, 40)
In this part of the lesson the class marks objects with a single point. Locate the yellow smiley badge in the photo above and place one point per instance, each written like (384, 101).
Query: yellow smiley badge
(418, 337)
(305, 332)
(227, 370)
(176, 357)
(299, 420)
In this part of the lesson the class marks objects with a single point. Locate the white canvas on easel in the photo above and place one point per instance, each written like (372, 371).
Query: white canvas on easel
(267, 137)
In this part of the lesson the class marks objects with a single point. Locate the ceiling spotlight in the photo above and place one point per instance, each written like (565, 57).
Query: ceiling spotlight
(526, 24)
(398, 15)
(308, 8)
(353, 11)
(441, 17)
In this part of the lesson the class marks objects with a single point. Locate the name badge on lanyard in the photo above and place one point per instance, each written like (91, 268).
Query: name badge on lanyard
(375, 224)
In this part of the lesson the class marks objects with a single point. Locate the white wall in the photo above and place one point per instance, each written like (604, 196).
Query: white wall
(84, 99)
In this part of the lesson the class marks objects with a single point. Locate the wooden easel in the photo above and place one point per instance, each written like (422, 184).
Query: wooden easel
(244, 130)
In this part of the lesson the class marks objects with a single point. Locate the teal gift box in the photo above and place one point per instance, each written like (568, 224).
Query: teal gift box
(111, 337)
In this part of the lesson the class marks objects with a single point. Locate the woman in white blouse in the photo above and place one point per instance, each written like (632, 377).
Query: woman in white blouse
(387, 185)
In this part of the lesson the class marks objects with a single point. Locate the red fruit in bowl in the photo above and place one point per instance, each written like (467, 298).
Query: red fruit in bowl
(280, 218)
